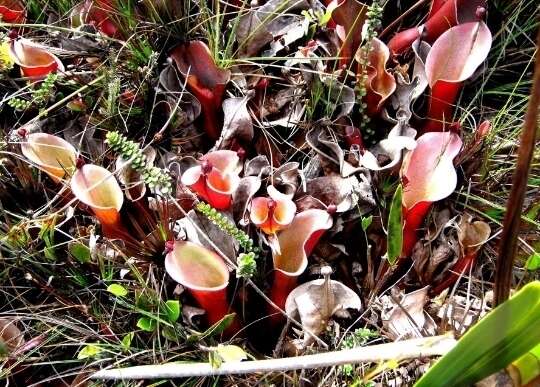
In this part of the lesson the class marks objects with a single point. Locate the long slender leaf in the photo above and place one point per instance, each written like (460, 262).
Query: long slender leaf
(506, 333)
(395, 227)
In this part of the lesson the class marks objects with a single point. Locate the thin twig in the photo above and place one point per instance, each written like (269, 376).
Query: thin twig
(512, 218)
(409, 349)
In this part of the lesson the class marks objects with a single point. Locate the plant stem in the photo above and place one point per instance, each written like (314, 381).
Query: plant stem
(512, 218)
(408, 349)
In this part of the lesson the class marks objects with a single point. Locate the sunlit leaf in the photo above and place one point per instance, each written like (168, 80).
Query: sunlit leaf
(172, 308)
(395, 227)
(502, 336)
(117, 289)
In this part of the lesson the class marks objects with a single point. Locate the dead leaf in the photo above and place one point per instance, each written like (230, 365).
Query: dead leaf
(344, 193)
(189, 107)
(349, 16)
(472, 235)
(315, 302)
(459, 313)
(389, 152)
(421, 50)
(340, 96)
(321, 141)
(247, 188)
(261, 26)
(406, 318)
(287, 178)
(237, 122)
(224, 242)
(11, 337)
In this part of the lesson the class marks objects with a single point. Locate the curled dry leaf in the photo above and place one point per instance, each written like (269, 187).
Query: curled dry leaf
(388, 152)
(254, 171)
(349, 16)
(321, 141)
(428, 175)
(52, 154)
(223, 241)
(380, 84)
(454, 57)
(315, 302)
(189, 107)
(261, 26)
(406, 318)
(287, 177)
(345, 193)
(449, 14)
(237, 123)
(204, 79)
(437, 252)
(295, 244)
(342, 97)
(472, 235)
(11, 337)
(12, 11)
(35, 61)
(421, 50)
(459, 313)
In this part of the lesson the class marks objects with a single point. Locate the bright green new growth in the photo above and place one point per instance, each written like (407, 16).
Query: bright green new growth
(247, 265)
(40, 96)
(395, 227)
(129, 150)
(502, 336)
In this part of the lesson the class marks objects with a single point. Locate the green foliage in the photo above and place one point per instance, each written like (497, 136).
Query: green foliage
(90, 351)
(46, 234)
(355, 339)
(126, 341)
(395, 227)
(129, 150)
(528, 365)
(216, 329)
(225, 353)
(533, 262)
(147, 324)
(172, 310)
(247, 265)
(503, 335)
(39, 96)
(117, 290)
(80, 252)
(366, 222)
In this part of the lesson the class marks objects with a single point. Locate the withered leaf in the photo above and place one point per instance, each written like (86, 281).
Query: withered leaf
(315, 302)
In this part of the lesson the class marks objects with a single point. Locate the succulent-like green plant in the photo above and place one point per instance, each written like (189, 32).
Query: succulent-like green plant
(129, 150)
(247, 265)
